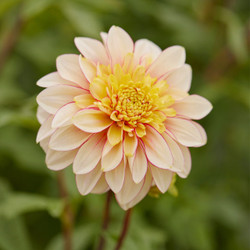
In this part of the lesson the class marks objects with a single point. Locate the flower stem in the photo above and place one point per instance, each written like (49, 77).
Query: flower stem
(105, 220)
(67, 215)
(124, 229)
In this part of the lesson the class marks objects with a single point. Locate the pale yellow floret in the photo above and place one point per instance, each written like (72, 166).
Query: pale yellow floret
(131, 98)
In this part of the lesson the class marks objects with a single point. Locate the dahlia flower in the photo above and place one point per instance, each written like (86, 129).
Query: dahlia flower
(121, 113)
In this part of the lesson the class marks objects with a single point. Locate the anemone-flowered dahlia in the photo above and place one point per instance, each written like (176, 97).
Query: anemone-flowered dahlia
(121, 113)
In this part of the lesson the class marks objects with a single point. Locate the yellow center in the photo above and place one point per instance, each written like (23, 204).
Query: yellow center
(131, 97)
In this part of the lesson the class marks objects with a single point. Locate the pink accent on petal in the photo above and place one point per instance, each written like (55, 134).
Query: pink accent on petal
(68, 67)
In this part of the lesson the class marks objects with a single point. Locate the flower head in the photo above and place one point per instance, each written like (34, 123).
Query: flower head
(121, 113)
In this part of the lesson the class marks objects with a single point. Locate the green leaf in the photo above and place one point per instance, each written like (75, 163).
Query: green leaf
(18, 203)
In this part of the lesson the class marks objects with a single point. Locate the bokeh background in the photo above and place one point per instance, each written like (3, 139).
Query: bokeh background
(212, 209)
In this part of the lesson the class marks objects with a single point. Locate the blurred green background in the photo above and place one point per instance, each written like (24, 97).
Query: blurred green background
(212, 209)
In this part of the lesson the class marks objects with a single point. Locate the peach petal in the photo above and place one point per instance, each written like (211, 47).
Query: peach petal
(45, 130)
(42, 115)
(68, 67)
(91, 120)
(115, 134)
(88, 68)
(101, 186)
(92, 49)
(130, 144)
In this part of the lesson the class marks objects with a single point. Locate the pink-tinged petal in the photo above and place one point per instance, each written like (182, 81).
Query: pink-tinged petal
(41, 115)
(186, 132)
(64, 115)
(140, 165)
(98, 88)
(115, 177)
(89, 154)
(119, 44)
(180, 78)
(45, 130)
(171, 58)
(104, 36)
(162, 178)
(129, 189)
(101, 186)
(176, 94)
(130, 144)
(143, 192)
(53, 98)
(111, 156)
(54, 79)
(178, 158)
(92, 49)
(88, 68)
(86, 182)
(144, 47)
(115, 134)
(187, 162)
(68, 67)
(193, 107)
(57, 160)
(157, 150)
(91, 120)
(67, 138)
(45, 144)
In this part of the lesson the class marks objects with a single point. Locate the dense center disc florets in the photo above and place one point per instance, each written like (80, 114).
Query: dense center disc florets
(133, 98)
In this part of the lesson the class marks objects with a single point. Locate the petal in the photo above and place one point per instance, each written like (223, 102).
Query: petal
(67, 138)
(45, 130)
(88, 68)
(64, 115)
(111, 156)
(115, 134)
(119, 44)
(130, 144)
(193, 107)
(186, 132)
(115, 177)
(104, 36)
(101, 186)
(162, 178)
(41, 115)
(144, 47)
(180, 78)
(157, 150)
(53, 98)
(68, 67)
(92, 49)
(143, 192)
(98, 88)
(129, 189)
(176, 94)
(140, 165)
(57, 160)
(91, 120)
(171, 58)
(86, 182)
(45, 144)
(89, 154)
(54, 79)
(187, 162)
(178, 158)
